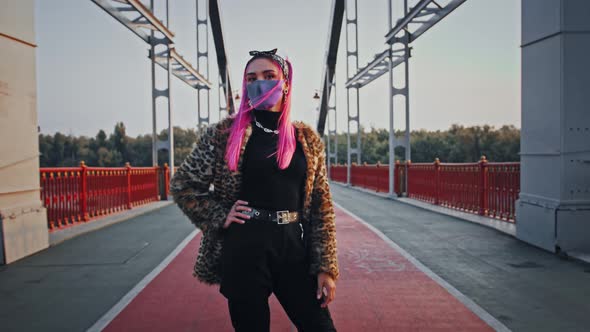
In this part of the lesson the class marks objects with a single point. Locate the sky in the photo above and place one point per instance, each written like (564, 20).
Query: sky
(93, 72)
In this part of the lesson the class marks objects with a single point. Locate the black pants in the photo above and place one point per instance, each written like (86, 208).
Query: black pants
(260, 258)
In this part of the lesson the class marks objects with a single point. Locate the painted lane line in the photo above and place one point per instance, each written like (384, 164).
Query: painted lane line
(125, 300)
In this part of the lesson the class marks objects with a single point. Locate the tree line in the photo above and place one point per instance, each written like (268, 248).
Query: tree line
(457, 144)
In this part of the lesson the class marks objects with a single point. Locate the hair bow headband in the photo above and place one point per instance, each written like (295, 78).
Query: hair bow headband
(272, 54)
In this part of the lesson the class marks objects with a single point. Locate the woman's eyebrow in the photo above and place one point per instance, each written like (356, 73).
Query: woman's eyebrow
(264, 72)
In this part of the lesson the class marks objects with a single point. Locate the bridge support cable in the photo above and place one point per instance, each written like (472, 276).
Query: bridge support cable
(222, 99)
(415, 21)
(142, 21)
(163, 59)
(352, 54)
(400, 55)
(222, 63)
(135, 16)
(421, 17)
(202, 34)
(332, 138)
(329, 84)
(335, 28)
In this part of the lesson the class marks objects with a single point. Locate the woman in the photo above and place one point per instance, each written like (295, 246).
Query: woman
(269, 223)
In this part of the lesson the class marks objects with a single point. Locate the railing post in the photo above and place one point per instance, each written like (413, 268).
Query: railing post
(84, 191)
(157, 179)
(396, 173)
(407, 189)
(166, 180)
(483, 183)
(128, 171)
(437, 181)
(378, 181)
(353, 172)
(366, 174)
(405, 176)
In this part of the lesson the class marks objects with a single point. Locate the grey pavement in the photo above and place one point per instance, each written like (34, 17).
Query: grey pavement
(526, 288)
(69, 286)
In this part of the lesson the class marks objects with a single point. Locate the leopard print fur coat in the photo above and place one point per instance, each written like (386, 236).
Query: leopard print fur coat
(207, 209)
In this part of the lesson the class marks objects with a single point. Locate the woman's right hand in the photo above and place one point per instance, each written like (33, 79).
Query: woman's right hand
(234, 213)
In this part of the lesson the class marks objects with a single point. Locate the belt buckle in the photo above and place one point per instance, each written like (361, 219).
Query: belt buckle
(282, 214)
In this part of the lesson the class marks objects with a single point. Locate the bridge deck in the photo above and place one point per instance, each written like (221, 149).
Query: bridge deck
(402, 268)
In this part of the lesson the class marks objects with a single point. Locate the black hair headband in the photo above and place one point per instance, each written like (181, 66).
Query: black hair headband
(272, 54)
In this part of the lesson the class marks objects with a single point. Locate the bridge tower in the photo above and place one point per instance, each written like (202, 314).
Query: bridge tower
(553, 209)
(23, 219)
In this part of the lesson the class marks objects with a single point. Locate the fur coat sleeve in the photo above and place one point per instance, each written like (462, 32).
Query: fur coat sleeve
(190, 185)
(322, 235)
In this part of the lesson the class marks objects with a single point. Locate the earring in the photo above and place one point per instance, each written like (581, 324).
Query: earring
(285, 91)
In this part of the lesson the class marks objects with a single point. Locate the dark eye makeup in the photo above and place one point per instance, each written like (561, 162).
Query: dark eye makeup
(268, 76)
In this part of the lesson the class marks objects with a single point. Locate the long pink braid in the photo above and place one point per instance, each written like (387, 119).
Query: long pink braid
(286, 142)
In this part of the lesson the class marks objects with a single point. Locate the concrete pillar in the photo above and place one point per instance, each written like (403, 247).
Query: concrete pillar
(553, 211)
(23, 220)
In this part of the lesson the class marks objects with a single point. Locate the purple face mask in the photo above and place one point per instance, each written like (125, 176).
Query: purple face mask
(258, 88)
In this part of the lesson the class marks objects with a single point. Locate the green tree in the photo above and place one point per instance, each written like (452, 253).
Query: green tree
(457, 144)
(119, 141)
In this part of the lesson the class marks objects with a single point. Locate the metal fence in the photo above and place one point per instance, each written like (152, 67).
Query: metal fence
(484, 188)
(73, 195)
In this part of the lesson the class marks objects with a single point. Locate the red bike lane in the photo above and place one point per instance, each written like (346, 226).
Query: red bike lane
(381, 288)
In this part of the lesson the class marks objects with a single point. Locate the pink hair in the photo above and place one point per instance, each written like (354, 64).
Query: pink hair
(286, 142)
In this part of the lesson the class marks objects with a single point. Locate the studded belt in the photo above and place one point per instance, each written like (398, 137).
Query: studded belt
(278, 216)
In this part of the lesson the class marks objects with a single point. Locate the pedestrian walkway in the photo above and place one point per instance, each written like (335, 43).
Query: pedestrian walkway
(403, 268)
(381, 288)
(524, 287)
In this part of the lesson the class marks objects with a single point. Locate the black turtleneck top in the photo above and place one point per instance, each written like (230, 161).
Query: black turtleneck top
(264, 185)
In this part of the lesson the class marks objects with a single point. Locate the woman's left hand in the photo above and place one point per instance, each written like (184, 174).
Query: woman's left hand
(325, 280)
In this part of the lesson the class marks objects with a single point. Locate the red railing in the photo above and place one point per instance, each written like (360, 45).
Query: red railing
(503, 186)
(373, 177)
(370, 176)
(484, 188)
(77, 194)
(338, 173)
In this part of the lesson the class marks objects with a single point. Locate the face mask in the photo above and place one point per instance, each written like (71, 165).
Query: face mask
(259, 88)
